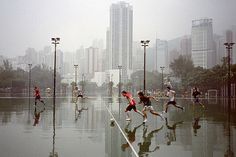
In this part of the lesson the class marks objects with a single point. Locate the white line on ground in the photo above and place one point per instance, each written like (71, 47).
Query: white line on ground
(136, 154)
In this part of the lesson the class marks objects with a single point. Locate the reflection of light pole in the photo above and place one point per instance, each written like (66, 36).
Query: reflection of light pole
(76, 67)
(162, 68)
(144, 44)
(119, 67)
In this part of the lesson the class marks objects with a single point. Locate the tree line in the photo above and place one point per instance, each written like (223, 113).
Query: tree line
(16, 80)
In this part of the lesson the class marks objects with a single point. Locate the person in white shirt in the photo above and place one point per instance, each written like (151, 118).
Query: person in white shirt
(171, 94)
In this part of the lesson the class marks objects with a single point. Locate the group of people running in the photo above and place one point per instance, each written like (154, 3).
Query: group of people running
(147, 106)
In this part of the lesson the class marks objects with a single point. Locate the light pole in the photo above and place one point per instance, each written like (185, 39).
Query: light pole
(30, 65)
(83, 81)
(76, 67)
(55, 41)
(162, 68)
(144, 44)
(119, 67)
(229, 46)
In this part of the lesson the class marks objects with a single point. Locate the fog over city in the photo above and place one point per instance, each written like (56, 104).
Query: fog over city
(28, 23)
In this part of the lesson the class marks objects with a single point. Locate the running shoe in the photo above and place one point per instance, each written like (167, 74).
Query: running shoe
(128, 119)
(145, 120)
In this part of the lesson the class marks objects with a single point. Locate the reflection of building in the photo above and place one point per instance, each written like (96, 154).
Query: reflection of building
(121, 36)
(203, 53)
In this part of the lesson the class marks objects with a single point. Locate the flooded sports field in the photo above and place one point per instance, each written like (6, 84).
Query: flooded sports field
(97, 127)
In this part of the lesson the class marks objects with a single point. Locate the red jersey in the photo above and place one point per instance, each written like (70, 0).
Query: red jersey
(130, 98)
(37, 93)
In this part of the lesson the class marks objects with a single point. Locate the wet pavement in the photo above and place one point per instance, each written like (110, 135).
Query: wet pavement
(85, 129)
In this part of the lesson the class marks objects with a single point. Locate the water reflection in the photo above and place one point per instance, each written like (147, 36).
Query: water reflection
(171, 134)
(130, 135)
(37, 114)
(144, 146)
(79, 107)
(229, 152)
(53, 153)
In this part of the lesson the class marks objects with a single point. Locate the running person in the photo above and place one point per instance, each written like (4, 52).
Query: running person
(131, 105)
(147, 105)
(196, 95)
(171, 95)
(37, 96)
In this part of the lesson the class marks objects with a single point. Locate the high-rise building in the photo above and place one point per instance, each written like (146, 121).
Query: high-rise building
(160, 55)
(137, 56)
(91, 60)
(203, 53)
(185, 46)
(121, 37)
(231, 38)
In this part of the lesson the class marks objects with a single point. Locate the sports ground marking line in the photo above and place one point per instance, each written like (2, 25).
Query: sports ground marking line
(136, 154)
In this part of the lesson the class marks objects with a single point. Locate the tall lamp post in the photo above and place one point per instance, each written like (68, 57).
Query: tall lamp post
(162, 68)
(144, 44)
(76, 67)
(229, 46)
(55, 41)
(119, 67)
(30, 65)
(83, 82)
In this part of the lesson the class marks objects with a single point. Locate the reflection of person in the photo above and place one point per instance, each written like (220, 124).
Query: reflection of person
(147, 106)
(144, 147)
(171, 94)
(79, 111)
(196, 95)
(130, 135)
(171, 136)
(37, 96)
(196, 125)
(37, 116)
(131, 105)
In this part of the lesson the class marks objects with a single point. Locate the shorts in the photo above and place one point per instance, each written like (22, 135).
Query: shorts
(171, 102)
(37, 97)
(196, 100)
(80, 96)
(130, 107)
(148, 108)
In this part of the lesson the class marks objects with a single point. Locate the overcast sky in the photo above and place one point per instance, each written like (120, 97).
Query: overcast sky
(32, 23)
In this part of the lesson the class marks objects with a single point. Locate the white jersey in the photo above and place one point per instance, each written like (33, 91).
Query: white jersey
(171, 95)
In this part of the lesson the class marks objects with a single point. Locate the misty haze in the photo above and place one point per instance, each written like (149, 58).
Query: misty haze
(113, 78)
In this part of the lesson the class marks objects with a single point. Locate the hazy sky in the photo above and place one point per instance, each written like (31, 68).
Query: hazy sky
(32, 23)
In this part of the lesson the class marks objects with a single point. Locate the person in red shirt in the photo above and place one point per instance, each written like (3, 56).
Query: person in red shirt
(131, 105)
(37, 96)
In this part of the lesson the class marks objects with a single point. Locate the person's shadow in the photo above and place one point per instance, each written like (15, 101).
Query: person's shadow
(171, 135)
(130, 135)
(144, 147)
(37, 115)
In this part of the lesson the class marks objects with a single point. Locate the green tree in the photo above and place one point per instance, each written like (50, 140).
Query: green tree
(182, 66)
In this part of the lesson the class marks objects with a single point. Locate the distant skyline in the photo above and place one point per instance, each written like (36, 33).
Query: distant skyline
(28, 23)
